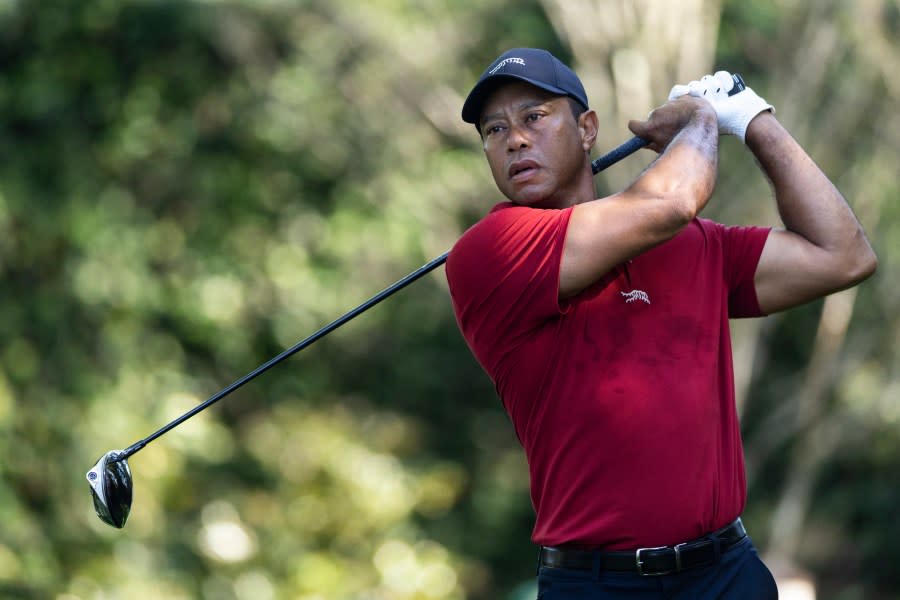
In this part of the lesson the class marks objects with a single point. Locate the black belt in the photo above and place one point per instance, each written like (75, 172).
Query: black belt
(662, 560)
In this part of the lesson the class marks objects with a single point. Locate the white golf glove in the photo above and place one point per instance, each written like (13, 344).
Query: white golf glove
(734, 111)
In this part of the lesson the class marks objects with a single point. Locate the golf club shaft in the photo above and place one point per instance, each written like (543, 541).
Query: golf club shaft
(399, 285)
(601, 163)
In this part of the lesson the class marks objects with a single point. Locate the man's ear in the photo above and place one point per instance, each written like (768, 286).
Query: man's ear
(588, 125)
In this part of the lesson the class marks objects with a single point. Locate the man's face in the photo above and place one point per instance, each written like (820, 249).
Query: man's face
(535, 147)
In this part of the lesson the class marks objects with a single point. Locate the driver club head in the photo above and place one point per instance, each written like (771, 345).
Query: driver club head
(110, 481)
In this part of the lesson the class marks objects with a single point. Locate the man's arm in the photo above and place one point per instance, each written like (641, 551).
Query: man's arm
(823, 248)
(661, 202)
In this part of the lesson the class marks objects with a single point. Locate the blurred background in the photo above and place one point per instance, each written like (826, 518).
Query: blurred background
(188, 188)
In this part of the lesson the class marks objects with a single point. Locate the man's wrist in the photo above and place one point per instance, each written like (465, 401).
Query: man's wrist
(705, 116)
(761, 127)
(749, 106)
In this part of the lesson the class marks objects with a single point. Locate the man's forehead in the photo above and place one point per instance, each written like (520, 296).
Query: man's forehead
(516, 95)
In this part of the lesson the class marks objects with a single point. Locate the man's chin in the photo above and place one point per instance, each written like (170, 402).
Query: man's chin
(531, 200)
(524, 195)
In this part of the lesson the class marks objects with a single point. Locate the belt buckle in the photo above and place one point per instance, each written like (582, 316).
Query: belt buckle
(677, 548)
(640, 563)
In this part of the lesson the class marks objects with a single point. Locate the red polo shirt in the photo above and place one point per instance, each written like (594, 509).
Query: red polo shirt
(623, 396)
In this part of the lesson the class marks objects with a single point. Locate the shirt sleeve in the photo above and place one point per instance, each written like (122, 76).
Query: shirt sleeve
(742, 247)
(503, 275)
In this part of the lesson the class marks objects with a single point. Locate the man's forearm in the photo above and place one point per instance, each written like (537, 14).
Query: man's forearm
(686, 169)
(808, 202)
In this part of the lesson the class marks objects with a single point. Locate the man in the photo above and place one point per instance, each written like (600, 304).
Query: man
(603, 323)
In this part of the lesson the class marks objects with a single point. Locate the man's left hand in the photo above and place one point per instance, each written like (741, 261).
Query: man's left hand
(734, 112)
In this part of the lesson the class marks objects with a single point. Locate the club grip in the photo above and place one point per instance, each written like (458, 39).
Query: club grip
(617, 154)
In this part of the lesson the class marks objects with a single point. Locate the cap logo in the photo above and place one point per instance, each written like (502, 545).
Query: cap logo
(506, 61)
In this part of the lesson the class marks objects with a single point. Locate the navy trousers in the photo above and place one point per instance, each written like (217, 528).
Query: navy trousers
(739, 575)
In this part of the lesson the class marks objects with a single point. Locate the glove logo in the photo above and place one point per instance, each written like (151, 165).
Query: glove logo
(506, 61)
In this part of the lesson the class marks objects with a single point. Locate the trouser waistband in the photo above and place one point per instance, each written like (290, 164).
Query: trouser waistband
(662, 560)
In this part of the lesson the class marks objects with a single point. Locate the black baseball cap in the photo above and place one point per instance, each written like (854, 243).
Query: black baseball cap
(533, 65)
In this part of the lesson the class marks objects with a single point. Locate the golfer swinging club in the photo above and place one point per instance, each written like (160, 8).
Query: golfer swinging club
(603, 323)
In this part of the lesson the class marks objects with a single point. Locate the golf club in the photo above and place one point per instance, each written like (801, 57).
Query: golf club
(110, 479)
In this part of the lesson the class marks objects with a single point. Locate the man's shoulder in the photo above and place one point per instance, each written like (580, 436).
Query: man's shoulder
(701, 228)
(709, 225)
(505, 234)
(499, 213)
(494, 225)
(478, 242)
(507, 214)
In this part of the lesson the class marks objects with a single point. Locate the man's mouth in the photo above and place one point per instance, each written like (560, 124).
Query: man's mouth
(522, 169)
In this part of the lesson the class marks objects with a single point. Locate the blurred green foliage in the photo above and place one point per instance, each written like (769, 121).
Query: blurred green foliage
(188, 188)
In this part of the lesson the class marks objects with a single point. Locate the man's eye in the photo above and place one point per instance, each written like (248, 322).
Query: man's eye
(492, 129)
(533, 117)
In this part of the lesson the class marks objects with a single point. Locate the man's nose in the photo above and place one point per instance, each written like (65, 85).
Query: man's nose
(517, 139)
